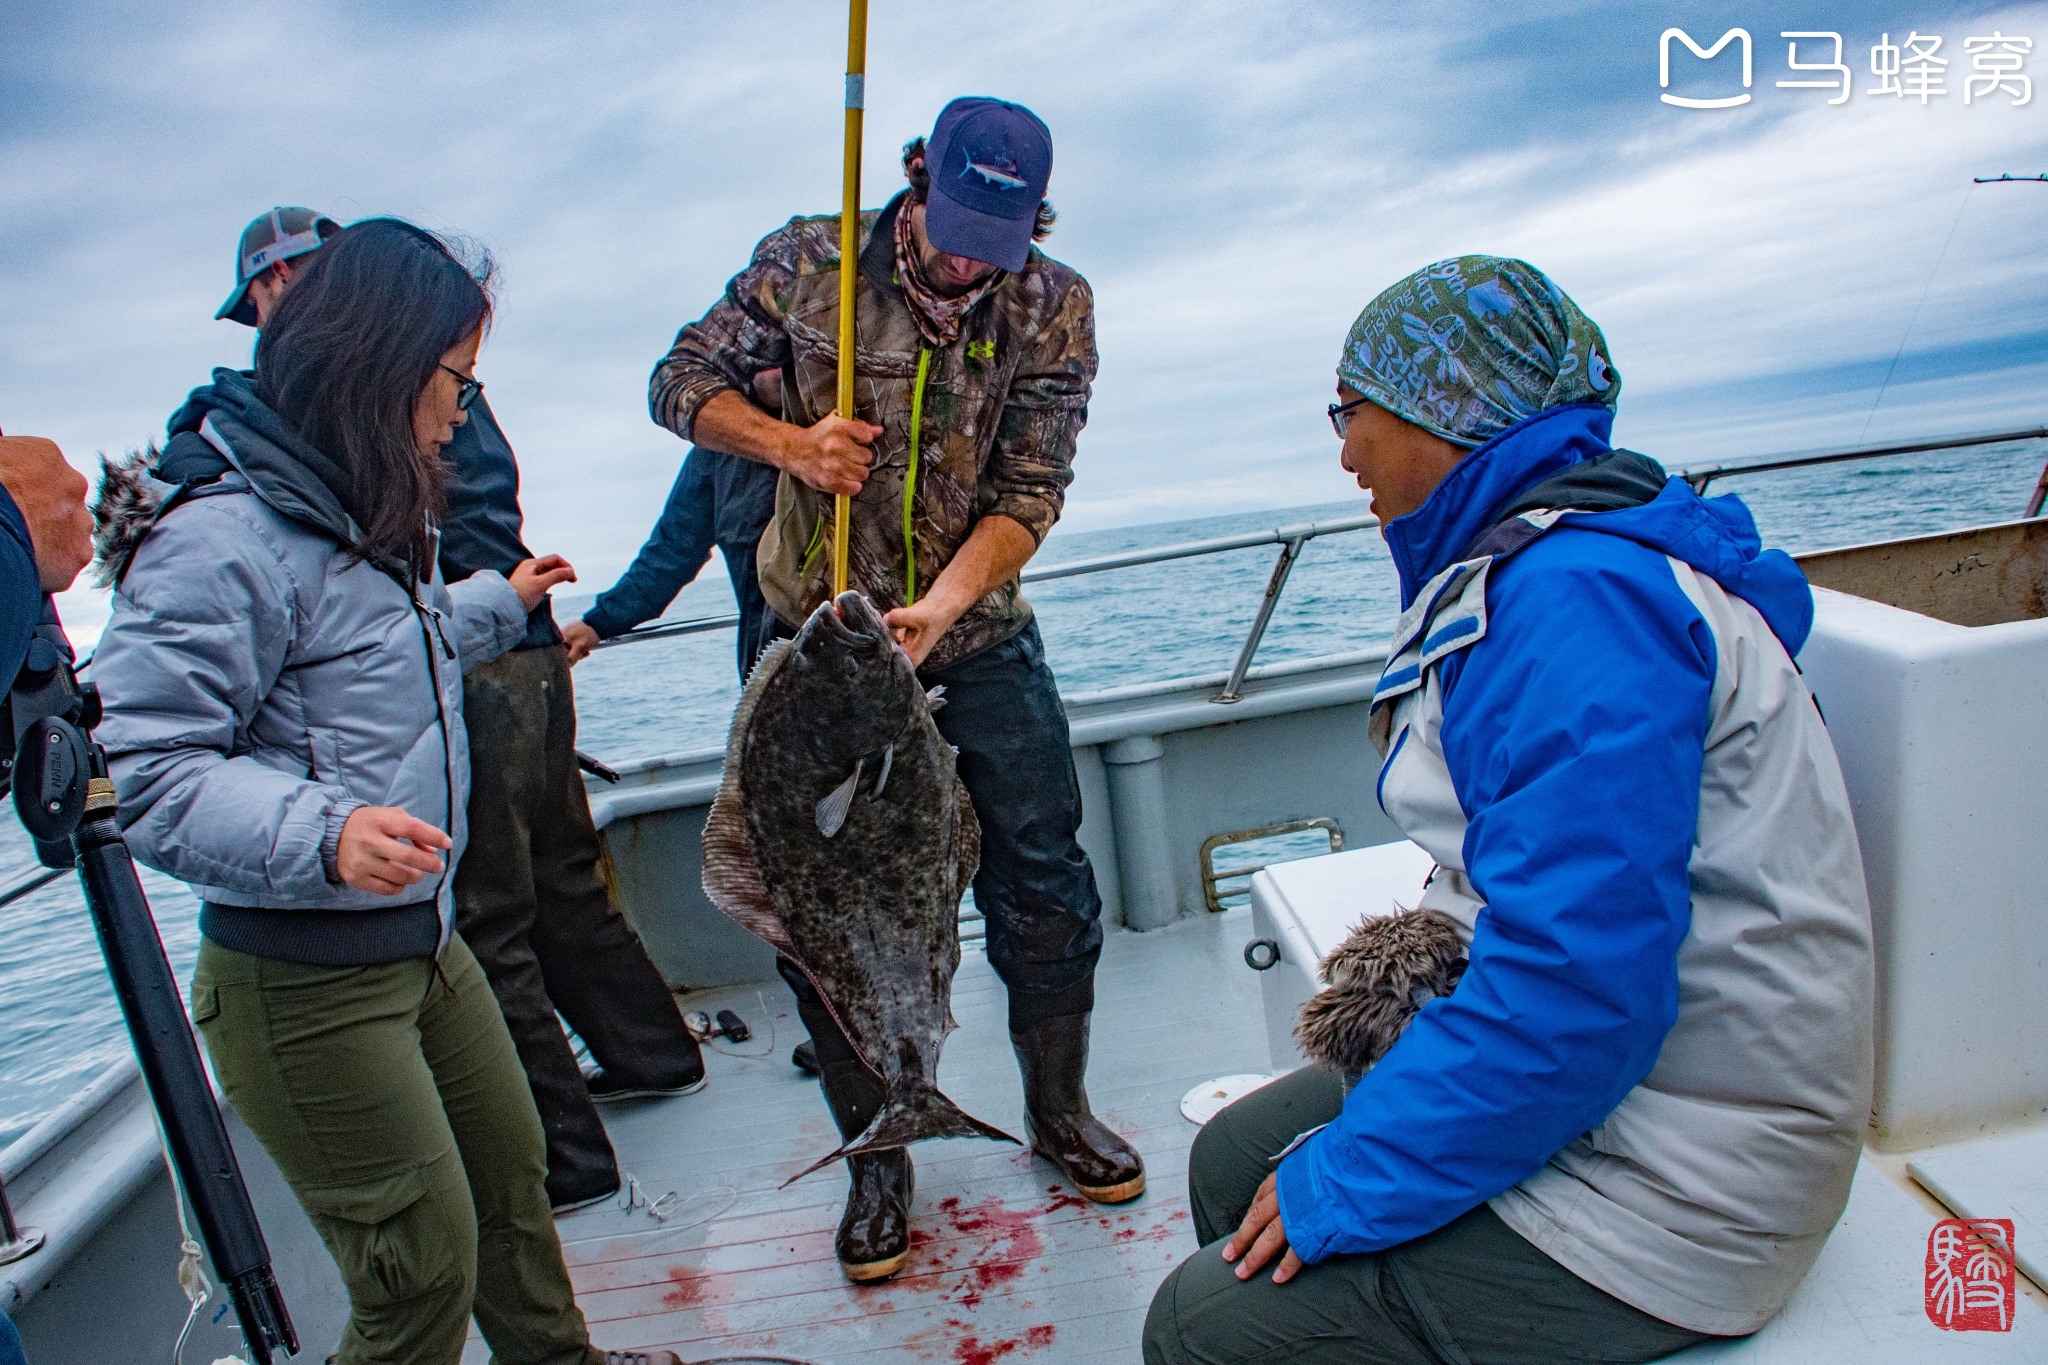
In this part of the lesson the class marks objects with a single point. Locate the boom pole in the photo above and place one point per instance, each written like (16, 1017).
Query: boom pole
(849, 256)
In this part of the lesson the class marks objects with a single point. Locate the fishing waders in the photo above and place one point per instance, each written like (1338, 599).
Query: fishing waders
(873, 1240)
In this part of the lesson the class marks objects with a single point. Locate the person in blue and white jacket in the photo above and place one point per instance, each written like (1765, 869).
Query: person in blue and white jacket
(1633, 1123)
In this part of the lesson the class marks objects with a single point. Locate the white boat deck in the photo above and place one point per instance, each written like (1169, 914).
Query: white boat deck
(1006, 1264)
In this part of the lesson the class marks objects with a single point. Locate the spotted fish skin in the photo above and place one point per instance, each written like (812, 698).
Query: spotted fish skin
(864, 897)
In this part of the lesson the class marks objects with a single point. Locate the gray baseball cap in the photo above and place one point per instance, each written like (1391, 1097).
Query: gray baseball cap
(276, 236)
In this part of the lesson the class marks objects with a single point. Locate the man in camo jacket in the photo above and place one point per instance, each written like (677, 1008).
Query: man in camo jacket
(975, 359)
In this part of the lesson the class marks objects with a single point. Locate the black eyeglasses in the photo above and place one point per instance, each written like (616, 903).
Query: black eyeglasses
(1340, 415)
(472, 386)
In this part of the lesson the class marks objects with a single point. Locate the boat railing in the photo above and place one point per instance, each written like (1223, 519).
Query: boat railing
(1292, 538)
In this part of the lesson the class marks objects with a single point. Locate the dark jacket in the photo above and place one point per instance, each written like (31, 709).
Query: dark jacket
(481, 529)
(261, 682)
(999, 409)
(21, 592)
(718, 500)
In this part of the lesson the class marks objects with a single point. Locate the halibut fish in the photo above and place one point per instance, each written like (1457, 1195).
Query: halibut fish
(842, 836)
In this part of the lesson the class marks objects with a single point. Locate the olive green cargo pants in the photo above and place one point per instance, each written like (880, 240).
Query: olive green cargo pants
(392, 1101)
(1471, 1293)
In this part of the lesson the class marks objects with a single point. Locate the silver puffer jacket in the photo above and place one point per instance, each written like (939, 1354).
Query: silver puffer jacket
(261, 683)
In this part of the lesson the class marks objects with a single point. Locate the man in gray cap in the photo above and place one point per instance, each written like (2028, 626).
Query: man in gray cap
(269, 257)
(977, 355)
(530, 901)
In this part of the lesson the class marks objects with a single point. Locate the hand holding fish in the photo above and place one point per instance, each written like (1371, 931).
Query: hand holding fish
(994, 553)
(917, 627)
(1261, 1235)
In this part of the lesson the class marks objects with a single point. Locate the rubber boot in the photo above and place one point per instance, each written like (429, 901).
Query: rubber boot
(873, 1240)
(1053, 1055)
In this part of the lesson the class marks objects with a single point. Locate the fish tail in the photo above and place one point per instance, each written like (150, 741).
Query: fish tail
(915, 1112)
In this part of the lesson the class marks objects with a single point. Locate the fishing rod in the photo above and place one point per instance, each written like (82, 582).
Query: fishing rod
(2040, 493)
(849, 254)
(66, 802)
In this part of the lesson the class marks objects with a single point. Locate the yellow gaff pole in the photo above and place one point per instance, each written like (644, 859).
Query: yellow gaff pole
(849, 256)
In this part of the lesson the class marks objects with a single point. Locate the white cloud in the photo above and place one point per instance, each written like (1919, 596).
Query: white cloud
(1236, 182)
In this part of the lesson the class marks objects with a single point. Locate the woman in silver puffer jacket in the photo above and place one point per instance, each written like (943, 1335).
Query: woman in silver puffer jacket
(282, 676)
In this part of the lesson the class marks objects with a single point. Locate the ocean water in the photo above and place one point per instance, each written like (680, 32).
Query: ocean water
(1178, 619)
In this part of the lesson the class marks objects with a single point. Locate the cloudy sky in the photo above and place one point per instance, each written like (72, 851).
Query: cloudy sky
(1235, 180)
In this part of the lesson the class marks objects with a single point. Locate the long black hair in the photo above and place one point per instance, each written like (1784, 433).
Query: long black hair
(920, 178)
(345, 357)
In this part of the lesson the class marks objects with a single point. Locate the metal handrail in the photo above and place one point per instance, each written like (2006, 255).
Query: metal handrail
(1700, 475)
(1292, 538)
(1279, 535)
(1187, 549)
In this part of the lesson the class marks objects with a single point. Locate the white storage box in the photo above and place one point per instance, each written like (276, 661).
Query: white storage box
(1934, 681)
(1304, 909)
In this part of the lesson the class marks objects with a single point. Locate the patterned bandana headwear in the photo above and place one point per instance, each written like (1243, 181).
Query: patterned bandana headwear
(1470, 346)
(937, 316)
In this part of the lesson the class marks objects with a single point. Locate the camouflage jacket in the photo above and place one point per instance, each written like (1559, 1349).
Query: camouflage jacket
(998, 410)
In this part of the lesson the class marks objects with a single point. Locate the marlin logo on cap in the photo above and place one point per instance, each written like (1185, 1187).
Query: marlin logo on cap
(996, 169)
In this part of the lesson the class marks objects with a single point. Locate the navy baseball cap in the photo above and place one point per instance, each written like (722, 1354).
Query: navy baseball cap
(277, 236)
(989, 162)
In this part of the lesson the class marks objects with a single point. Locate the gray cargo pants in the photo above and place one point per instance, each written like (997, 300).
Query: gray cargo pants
(1471, 1293)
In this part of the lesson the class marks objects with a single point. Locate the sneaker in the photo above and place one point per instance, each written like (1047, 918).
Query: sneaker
(606, 1088)
(804, 1057)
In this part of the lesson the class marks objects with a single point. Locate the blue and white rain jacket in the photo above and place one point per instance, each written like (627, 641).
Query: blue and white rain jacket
(1657, 1067)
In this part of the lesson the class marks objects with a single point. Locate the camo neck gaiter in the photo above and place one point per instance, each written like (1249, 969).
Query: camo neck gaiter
(937, 316)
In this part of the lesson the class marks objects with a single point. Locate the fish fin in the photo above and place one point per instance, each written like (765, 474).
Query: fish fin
(935, 698)
(832, 809)
(888, 762)
(732, 877)
(916, 1112)
(967, 845)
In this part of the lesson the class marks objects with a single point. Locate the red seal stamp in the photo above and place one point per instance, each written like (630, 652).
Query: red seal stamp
(1970, 1284)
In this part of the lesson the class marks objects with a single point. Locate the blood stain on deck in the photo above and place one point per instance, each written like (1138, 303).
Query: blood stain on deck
(957, 1343)
(693, 1288)
(992, 1242)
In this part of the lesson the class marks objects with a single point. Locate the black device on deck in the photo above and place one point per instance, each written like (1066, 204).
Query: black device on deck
(66, 802)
